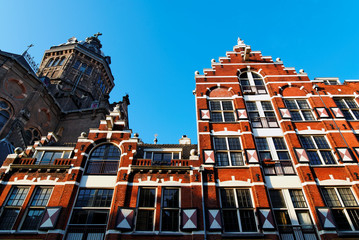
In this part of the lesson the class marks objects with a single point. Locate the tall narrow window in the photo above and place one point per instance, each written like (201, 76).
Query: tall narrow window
(318, 150)
(344, 207)
(292, 214)
(261, 114)
(62, 61)
(228, 151)
(222, 111)
(237, 210)
(252, 83)
(170, 210)
(146, 209)
(5, 113)
(37, 208)
(104, 160)
(12, 207)
(90, 214)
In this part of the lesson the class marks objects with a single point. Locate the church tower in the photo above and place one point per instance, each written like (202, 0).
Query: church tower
(77, 73)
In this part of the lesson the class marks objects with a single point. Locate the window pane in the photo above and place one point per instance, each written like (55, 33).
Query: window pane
(215, 105)
(296, 116)
(170, 198)
(298, 198)
(351, 103)
(230, 220)
(304, 219)
(282, 217)
(216, 117)
(175, 155)
(277, 198)
(46, 159)
(262, 144)
(227, 197)
(170, 220)
(94, 198)
(354, 216)
(248, 221)
(147, 197)
(307, 142)
(284, 155)
(331, 197)
(144, 221)
(321, 142)
(279, 143)
(222, 159)
(17, 197)
(148, 155)
(41, 197)
(314, 158)
(81, 216)
(234, 144)
(229, 117)
(265, 156)
(244, 198)
(267, 106)
(341, 220)
(347, 114)
(237, 159)
(157, 156)
(8, 218)
(308, 115)
(220, 144)
(356, 114)
(227, 105)
(32, 219)
(303, 104)
(347, 197)
(290, 104)
(251, 106)
(327, 157)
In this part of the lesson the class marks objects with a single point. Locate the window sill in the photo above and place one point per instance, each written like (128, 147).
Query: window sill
(226, 167)
(326, 166)
(353, 234)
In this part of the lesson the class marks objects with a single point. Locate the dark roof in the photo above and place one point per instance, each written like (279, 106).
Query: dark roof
(20, 59)
(186, 148)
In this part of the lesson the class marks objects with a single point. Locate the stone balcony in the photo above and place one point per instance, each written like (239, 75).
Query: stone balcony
(30, 164)
(148, 165)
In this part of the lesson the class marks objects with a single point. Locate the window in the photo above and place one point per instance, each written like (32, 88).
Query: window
(88, 70)
(252, 83)
(261, 114)
(62, 61)
(237, 210)
(170, 210)
(299, 110)
(90, 214)
(145, 209)
(44, 157)
(5, 113)
(222, 111)
(49, 62)
(77, 64)
(349, 108)
(12, 207)
(331, 82)
(274, 156)
(55, 62)
(36, 208)
(32, 135)
(318, 150)
(104, 160)
(344, 207)
(228, 151)
(161, 158)
(291, 213)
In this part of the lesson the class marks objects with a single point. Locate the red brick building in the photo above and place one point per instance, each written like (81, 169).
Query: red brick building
(276, 159)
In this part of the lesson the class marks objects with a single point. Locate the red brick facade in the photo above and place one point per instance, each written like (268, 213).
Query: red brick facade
(276, 159)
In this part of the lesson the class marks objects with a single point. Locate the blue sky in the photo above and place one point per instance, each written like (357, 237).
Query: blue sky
(156, 46)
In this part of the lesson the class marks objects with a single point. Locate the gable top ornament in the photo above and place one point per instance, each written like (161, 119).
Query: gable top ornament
(240, 42)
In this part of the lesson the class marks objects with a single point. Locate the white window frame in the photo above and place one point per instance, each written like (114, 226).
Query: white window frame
(348, 108)
(167, 208)
(300, 110)
(222, 111)
(317, 150)
(228, 151)
(146, 208)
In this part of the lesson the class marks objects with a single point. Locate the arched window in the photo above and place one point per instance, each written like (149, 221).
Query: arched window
(5, 113)
(62, 61)
(49, 62)
(32, 135)
(252, 83)
(104, 160)
(55, 62)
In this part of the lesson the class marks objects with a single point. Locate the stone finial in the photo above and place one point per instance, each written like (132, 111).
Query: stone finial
(213, 60)
(240, 41)
(278, 60)
(301, 71)
(18, 150)
(196, 72)
(155, 140)
(83, 135)
(136, 135)
(116, 108)
(193, 152)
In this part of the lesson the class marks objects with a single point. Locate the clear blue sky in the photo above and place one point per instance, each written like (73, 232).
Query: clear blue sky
(156, 46)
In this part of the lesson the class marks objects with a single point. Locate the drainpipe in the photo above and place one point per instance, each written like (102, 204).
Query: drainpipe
(315, 87)
(201, 170)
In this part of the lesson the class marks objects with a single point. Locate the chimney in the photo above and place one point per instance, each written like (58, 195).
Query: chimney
(185, 140)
